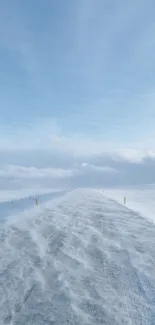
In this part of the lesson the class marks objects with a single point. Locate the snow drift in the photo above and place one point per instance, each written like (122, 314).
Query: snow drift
(84, 259)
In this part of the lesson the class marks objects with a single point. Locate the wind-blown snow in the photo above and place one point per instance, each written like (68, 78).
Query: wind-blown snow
(7, 208)
(140, 199)
(82, 259)
(6, 196)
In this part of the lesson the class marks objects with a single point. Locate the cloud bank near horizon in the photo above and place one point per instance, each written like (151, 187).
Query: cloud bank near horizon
(48, 158)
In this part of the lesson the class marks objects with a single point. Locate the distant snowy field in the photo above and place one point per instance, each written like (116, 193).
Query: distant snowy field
(80, 258)
(15, 204)
(141, 199)
(6, 196)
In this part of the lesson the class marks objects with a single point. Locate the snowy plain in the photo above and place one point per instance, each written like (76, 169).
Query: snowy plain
(79, 258)
(139, 198)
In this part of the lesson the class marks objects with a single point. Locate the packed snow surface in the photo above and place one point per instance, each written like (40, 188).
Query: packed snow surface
(81, 259)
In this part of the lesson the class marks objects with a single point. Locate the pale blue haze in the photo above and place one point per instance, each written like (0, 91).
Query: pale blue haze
(77, 78)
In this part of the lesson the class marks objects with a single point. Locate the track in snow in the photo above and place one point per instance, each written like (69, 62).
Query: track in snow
(84, 260)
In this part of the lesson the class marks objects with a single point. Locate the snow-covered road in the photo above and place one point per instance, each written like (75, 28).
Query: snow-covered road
(81, 259)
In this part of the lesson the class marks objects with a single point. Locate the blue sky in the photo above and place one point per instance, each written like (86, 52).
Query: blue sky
(77, 84)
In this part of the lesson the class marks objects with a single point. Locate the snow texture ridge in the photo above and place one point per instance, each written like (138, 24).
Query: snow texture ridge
(83, 260)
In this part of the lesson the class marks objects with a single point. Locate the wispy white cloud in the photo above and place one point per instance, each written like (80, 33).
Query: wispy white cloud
(133, 155)
(23, 172)
(99, 169)
(81, 174)
(49, 136)
(66, 170)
